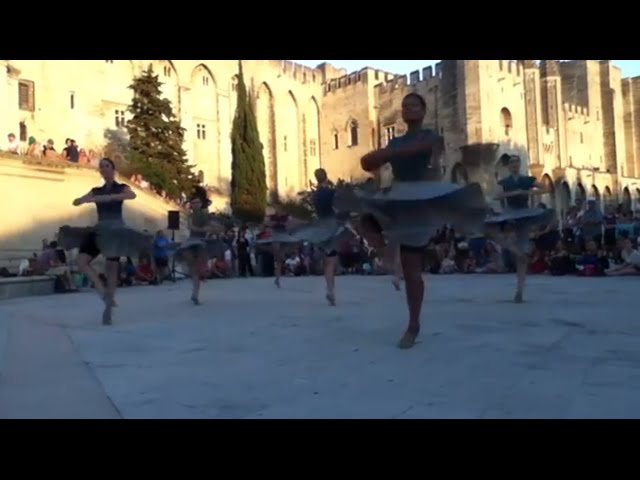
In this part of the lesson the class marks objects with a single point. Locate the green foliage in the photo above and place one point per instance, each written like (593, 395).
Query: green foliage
(156, 138)
(248, 175)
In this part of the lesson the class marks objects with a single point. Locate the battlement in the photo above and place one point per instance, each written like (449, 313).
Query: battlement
(511, 67)
(575, 112)
(360, 78)
(429, 78)
(300, 73)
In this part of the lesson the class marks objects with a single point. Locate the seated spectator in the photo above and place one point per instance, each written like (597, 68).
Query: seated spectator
(49, 151)
(144, 271)
(83, 158)
(630, 261)
(537, 263)
(491, 259)
(51, 263)
(14, 144)
(593, 262)
(34, 148)
(218, 268)
(560, 262)
(127, 273)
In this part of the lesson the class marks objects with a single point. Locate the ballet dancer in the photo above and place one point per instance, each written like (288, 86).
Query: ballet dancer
(416, 204)
(512, 227)
(279, 241)
(110, 237)
(327, 232)
(196, 251)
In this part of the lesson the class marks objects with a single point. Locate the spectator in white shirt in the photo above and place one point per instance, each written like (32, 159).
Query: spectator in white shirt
(14, 144)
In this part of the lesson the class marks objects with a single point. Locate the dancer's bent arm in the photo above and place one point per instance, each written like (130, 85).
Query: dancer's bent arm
(126, 194)
(374, 160)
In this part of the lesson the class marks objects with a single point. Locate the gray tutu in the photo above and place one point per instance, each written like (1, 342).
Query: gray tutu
(112, 239)
(278, 237)
(512, 227)
(211, 248)
(328, 234)
(410, 213)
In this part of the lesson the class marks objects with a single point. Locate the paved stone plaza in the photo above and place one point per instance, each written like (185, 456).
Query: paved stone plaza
(251, 351)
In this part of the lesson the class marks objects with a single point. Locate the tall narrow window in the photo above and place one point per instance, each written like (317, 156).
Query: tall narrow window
(72, 100)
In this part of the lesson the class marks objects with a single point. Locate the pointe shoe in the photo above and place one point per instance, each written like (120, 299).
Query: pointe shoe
(331, 298)
(106, 315)
(195, 300)
(518, 297)
(396, 284)
(277, 282)
(408, 340)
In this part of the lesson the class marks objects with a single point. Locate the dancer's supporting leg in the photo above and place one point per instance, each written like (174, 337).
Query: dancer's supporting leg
(193, 265)
(330, 264)
(112, 267)
(277, 258)
(522, 264)
(411, 259)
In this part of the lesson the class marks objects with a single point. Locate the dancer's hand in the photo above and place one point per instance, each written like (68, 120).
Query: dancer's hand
(82, 200)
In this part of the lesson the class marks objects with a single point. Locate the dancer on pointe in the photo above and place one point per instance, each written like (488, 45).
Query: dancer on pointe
(198, 248)
(110, 237)
(512, 227)
(327, 232)
(416, 204)
(279, 241)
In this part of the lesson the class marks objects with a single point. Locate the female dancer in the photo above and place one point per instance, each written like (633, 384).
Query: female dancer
(327, 232)
(279, 240)
(413, 208)
(197, 249)
(110, 237)
(512, 227)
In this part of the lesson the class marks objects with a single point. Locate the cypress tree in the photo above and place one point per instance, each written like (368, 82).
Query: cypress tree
(156, 138)
(248, 176)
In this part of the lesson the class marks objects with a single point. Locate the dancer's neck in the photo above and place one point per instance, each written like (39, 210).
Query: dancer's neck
(413, 128)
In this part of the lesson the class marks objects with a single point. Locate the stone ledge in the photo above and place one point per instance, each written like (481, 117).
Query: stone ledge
(14, 287)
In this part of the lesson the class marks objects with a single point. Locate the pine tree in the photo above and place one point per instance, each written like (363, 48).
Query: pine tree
(248, 176)
(156, 138)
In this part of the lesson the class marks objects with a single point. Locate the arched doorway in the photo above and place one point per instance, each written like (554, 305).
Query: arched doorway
(565, 199)
(627, 204)
(580, 196)
(506, 121)
(549, 199)
(638, 200)
(607, 199)
(459, 174)
(595, 194)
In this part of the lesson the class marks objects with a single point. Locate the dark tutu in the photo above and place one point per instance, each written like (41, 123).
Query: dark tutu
(512, 227)
(113, 239)
(410, 213)
(208, 247)
(328, 234)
